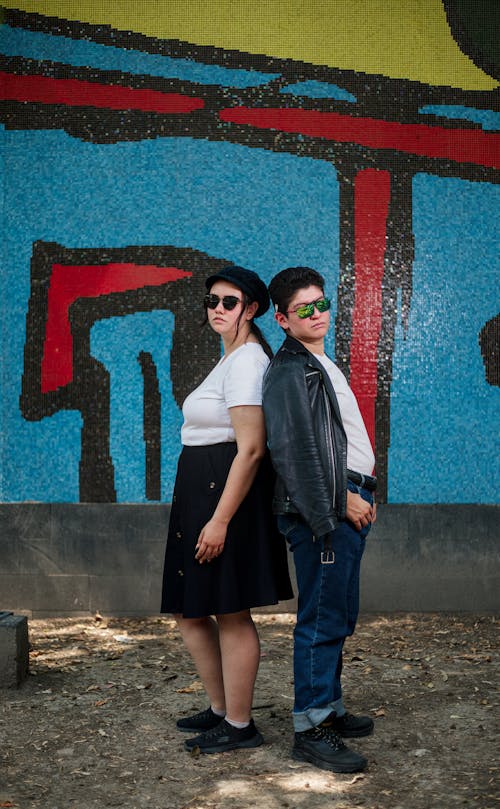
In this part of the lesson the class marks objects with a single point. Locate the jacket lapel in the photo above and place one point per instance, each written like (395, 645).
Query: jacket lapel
(296, 347)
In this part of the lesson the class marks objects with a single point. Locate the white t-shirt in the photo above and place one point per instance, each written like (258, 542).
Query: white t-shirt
(360, 456)
(236, 380)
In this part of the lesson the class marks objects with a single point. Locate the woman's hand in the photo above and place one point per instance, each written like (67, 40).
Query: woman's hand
(211, 541)
(358, 511)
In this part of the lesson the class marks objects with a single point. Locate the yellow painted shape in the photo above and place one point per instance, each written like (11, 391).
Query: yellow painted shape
(407, 39)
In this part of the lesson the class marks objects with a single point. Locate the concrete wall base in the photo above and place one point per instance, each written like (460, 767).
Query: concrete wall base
(71, 559)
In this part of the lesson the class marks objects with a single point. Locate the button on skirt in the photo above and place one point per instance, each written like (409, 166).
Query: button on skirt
(252, 570)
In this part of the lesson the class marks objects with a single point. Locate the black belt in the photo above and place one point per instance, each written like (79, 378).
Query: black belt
(365, 481)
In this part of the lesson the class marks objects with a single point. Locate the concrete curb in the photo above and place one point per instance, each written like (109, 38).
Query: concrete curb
(14, 649)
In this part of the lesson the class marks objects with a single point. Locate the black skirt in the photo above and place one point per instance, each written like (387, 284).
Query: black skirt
(252, 570)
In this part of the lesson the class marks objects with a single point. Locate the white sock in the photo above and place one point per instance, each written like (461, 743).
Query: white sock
(217, 711)
(239, 725)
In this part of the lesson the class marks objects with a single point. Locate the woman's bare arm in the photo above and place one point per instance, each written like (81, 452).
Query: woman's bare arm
(248, 424)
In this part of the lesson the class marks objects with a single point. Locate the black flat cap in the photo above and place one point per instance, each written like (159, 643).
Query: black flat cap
(246, 280)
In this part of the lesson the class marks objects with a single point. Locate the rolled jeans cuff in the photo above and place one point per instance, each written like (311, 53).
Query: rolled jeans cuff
(315, 716)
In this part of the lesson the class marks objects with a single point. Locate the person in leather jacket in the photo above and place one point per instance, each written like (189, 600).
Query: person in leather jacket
(324, 504)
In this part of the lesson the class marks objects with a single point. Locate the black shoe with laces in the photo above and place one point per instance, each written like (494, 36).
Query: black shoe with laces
(350, 726)
(205, 720)
(323, 747)
(225, 737)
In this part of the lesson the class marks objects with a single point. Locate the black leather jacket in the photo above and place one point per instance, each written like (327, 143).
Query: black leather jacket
(306, 438)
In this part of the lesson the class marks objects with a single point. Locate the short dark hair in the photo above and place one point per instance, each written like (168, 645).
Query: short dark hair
(285, 284)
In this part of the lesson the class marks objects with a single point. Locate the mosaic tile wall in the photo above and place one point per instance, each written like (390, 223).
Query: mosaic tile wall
(134, 165)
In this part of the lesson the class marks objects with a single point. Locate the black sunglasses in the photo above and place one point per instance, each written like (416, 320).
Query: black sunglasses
(228, 301)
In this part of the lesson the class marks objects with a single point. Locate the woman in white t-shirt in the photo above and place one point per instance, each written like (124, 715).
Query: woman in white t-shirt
(224, 554)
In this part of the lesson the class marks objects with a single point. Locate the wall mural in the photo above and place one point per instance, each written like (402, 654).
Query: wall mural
(134, 166)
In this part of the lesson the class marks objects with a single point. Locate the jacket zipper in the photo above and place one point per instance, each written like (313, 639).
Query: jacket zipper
(329, 441)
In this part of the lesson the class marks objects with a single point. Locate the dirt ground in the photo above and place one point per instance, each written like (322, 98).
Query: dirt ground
(94, 724)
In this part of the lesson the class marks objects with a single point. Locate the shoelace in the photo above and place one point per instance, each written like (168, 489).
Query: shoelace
(345, 717)
(215, 732)
(330, 736)
(206, 714)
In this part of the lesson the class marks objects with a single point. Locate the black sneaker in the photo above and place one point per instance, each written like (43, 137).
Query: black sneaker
(205, 720)
(225, 737)
(350, 726)
(324, 748)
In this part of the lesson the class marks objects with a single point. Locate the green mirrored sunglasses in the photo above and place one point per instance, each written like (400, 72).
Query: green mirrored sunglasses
(307, 309)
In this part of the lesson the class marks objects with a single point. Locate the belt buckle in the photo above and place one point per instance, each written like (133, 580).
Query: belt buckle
(327, 557)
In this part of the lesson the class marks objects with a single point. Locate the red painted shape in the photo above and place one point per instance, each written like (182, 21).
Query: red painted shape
(458, 145)
(67, 284)
(372, 189)
(76, 93)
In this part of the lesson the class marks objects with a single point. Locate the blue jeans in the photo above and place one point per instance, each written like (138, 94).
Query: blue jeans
(328, 605)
